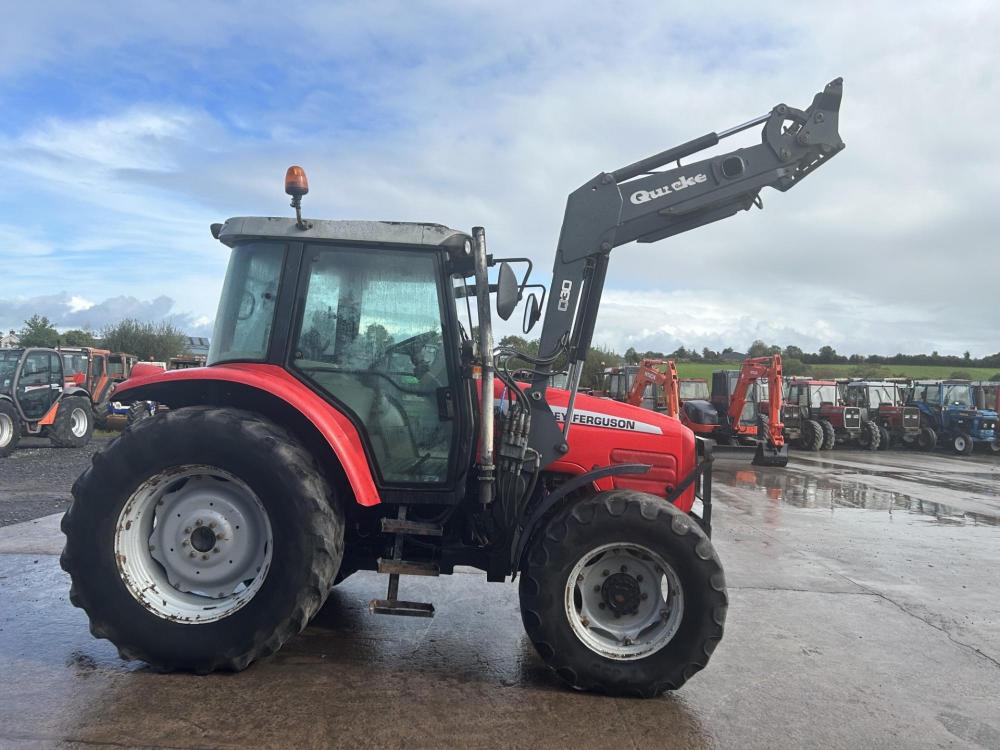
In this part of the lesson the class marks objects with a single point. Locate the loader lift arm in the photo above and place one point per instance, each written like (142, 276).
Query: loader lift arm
(636, 203)
(649, 372)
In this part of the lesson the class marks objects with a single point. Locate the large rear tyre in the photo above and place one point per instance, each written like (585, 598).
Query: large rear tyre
(870, 436)
(885, 439)
(829, 436)
(74, 423)
(202, 539)
(963, 444)
(138, 410)
(10, 428)
(927, 440)
(622, 593)
(811, 436)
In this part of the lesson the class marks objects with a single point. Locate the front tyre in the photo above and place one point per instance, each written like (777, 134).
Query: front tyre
(622, 593)
(202, 539)
(10, 428)
(927, 439)
(829, 436)
(74, 423)
(963, 444)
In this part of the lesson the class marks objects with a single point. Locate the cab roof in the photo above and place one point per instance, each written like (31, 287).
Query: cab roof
(242, 228)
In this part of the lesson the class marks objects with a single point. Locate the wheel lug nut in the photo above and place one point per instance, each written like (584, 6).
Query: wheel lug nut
(184, 543)
(627, 641)
(211, 525)
(624, 569)
(601, 605)
(216, 550)
(605, 573)
(644, 597)
(597, 588)
(198, 522)
(187, 530)
(579, 577)
(204, 557)
(191, 554)
(639, 578)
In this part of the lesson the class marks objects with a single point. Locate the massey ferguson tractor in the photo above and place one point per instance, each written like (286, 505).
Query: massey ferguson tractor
(346, 422)
(883, 402)
(816, 418)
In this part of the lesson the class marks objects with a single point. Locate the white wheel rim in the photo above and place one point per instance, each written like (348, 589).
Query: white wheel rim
(638, 586)
(193, 544)
(6, 430)
(78, 422)
(960, 443)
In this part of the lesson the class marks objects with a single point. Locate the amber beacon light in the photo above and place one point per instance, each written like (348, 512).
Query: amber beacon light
(297, 185)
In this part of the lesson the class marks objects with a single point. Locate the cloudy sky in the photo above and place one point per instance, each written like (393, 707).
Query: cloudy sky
(130, 127)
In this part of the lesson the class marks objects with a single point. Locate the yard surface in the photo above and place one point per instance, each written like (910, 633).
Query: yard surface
(864, 612)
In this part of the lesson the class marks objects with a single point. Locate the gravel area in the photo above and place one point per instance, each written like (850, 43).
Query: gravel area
(35, 480)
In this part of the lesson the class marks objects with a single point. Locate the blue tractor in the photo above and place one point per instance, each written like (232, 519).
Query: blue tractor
(949, 408)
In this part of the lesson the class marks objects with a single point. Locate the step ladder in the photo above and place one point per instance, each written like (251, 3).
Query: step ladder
(395, 567)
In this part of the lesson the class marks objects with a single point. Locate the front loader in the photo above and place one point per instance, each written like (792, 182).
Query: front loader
(346, 422)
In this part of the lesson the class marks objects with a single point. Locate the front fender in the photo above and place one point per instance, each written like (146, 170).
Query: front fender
(274, 392)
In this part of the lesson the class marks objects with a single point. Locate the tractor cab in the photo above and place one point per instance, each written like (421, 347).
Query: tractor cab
(882, 401)
(693, 389)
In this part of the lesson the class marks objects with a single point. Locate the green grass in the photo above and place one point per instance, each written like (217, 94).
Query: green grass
(919, 372)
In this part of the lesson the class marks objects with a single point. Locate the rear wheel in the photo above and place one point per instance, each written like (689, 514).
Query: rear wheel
(10, 428)
(202, 539)
(995, 446)
(622, 593)
(829, 436)
(811, 437)
(885, 439)
(74, 423)
(963, 444)
(870, 436)
(927, 439)
(138, 410)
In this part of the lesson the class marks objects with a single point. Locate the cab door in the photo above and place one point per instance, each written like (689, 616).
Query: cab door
(99, 381)
(38, 384)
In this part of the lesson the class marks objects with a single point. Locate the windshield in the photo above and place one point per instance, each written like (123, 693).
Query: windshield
(693, 390)
(958, 395)
(74, 363)
(823, 394)
(246, 308)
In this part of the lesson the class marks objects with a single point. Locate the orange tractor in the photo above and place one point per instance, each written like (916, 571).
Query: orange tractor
(744, 410)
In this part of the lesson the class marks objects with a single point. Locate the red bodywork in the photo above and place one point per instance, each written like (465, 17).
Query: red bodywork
(604, 432)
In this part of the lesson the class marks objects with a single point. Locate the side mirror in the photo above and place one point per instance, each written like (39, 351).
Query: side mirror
(508, 292)
(532, 312)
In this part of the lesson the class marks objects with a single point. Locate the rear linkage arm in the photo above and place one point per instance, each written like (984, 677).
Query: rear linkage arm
(635, 203)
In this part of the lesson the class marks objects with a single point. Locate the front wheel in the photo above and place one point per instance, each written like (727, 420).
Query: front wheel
(10, 428)
(622, 593)
(202, 539)
(963, 444)
(885, 439)
(74, 423)
(870, 436)
(995, 446)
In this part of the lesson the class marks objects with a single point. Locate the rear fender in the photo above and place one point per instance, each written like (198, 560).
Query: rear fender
(276, 394)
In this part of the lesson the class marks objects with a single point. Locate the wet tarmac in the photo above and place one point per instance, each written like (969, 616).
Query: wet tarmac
(865, 612)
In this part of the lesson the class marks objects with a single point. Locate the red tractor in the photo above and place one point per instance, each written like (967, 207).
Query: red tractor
(883, 402)
(745, 410)
(816, 417)
(346, 422)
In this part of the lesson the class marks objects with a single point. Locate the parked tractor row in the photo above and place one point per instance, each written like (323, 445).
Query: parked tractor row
(815, 414)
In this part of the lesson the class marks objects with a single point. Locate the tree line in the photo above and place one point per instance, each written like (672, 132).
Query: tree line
(156, 342)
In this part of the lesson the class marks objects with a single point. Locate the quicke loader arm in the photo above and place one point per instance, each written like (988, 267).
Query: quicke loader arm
(637, 203)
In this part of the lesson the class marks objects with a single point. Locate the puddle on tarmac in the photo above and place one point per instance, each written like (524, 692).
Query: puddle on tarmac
(828, 486)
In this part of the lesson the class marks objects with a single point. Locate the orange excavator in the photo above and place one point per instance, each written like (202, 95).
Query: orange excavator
(663, 382)
(744, 410)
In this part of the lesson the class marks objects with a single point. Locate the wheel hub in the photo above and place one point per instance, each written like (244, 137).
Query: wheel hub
(193, 544)
(621, 593)
(624, 601)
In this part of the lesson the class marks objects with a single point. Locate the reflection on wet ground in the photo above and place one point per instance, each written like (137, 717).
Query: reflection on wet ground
(942, 490)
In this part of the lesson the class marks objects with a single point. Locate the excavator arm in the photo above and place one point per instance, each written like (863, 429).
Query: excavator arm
(755, 369)
(649, 372)
(639, 203)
